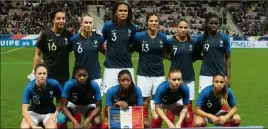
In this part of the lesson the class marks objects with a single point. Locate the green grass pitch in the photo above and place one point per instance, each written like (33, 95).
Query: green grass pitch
(249, 82)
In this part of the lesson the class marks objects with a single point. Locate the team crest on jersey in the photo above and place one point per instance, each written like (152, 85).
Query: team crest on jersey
(209, 104)
(221, 43)
(95, 43)
(66, 40)
(190, 47)
(161, 43)
(129, 32)
(51, 93)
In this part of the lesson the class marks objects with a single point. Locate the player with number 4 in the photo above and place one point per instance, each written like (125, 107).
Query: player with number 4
(81, 95)
(53, 45)
(150, 45)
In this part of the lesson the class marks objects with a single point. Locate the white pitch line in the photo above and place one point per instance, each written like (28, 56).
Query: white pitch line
(11, 50)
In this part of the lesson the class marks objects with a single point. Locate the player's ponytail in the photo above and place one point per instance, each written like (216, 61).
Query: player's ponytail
(223, 95)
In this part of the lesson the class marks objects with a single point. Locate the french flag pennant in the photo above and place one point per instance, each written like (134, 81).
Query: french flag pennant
(125, 118)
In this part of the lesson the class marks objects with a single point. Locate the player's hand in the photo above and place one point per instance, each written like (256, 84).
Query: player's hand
(85, 126)
(214, 119)
(37, 127)
(178, 125)
(77, 125)
(41, 61)
(122, 104)
(222, 120)
(53, 117)
(170, 125)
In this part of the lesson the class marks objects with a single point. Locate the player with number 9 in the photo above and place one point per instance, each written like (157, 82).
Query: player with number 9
(118, 34)
(53, 45)
(150, 46)
(37, 102)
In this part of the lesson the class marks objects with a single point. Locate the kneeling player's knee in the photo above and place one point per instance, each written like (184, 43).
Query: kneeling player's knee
(146, 101)
(199, 122)
(96, 121)
(24, 124)
(236, 120)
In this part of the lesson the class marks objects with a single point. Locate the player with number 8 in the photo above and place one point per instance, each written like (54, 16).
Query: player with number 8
(216, 50)
(81, 95)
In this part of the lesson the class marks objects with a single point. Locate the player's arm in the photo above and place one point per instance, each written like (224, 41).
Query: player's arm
(64, 101)
(228, 59)
(94, 113)
(108, 103)
(232, 103)
(166, 52)
(139, 97)
(157, 100)
(58, 93)
(98, 108)
(102, 46)
(25, 107)
(37, 57)
(167, 43)
(38, 48)
(186, 101)
(197, 53)
(162, 115)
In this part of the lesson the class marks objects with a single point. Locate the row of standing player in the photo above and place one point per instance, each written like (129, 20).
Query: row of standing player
(82, 95)
(56, 43)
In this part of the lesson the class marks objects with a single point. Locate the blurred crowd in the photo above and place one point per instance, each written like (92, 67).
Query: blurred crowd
(32, 18)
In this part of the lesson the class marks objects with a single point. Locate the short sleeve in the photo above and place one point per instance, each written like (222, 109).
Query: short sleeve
(139, 96)
(227, 44)
(26, 94)
(96, 88)
(109, 97)
(231, 98)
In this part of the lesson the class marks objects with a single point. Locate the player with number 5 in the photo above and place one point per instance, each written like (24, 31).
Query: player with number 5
(150, 46)
(81, 95)
(37, 103)
(53, 45)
